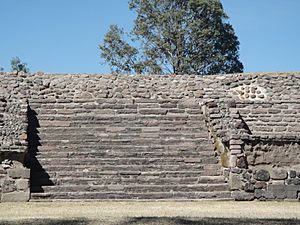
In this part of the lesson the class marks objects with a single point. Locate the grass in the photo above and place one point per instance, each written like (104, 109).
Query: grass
(209, 221)
(150, 213)
(156, 221)
(48, 222)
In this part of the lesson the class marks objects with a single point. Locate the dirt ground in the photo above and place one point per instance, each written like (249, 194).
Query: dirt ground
(81, 213)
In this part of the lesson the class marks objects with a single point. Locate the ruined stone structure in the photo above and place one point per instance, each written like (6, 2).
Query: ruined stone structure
(97, 137)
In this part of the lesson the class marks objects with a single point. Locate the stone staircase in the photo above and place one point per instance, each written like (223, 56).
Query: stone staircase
(129, 149)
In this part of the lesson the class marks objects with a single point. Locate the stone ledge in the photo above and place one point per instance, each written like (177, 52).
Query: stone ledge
(19, 173)
(18, 196)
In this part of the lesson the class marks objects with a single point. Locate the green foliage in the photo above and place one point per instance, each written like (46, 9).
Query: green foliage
(175, 37)
(18, 66)
(118, 53)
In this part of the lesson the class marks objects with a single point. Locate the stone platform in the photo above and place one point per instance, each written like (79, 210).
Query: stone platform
(97, 137)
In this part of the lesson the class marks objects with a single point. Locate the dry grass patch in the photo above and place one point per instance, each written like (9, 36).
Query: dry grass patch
(146, 213)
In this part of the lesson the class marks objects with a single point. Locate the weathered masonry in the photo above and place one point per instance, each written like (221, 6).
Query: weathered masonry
(97, 137)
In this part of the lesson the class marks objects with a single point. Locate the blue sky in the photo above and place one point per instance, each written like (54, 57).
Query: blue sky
(62, 36)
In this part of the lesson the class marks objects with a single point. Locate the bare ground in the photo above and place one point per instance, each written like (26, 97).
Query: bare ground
(201, 212)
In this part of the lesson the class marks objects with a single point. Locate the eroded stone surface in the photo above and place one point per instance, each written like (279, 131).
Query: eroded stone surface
(253, 119)
(262, 175)
(251, 92)
(19, 196)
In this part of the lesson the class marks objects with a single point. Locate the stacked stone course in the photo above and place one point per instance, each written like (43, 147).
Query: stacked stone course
(14, 177)
(257, 134)
(150, 137)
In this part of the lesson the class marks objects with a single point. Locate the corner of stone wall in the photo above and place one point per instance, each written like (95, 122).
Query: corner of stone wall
(213, 119)
(229, 132)
(247, 181)
(14, 176)
(265, 181)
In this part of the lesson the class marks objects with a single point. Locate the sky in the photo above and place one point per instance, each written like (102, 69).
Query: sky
(62, 36)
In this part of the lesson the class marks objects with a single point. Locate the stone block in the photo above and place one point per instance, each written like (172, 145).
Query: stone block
(291, 194)
(22, 184)
(248, 187)
(153, 111)
(293, 173)
(258, 193)
(8, 185)
(241, 162)
(293, 181)
(236, 170)
(55, 123)
(278, 174)
(235, 147)
(247, 176)
(293, 188)
(274, 111)
(269, 194)
(235, 151)
(236, 142)
(17, 196)
(23, 136)
(137, 173)
(19, 173)
(278, 182)
(262, 175)
(235, 181)
(278, 190)
(232, 160)
(260, 185)
(242, 196)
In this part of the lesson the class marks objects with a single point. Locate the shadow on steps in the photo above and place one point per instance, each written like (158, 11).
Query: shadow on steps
(38, 176)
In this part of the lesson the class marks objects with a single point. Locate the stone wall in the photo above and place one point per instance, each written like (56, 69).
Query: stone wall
(253, 120)
(255, 124)
(14, 177)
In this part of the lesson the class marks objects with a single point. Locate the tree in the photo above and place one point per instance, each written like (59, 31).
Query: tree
(18, 66)
(174, 37)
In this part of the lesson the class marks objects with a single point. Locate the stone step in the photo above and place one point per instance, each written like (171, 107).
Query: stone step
(138, 141)
(45, 119)
(122, 168)
(166, 126)
(68, 196)
(195, 129)
(129, 132)
(120, 174)
(133, 157)
(95, 116)
(45, 174)
(47, 154)
(105, 138)
(40, 179)
(104, 105)
(65, 145)
(130, 111)
(107, 123)
(108, 108)
(121, 153)
(124, 161)
(119, 136)
(135, 188)
(99, 100)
